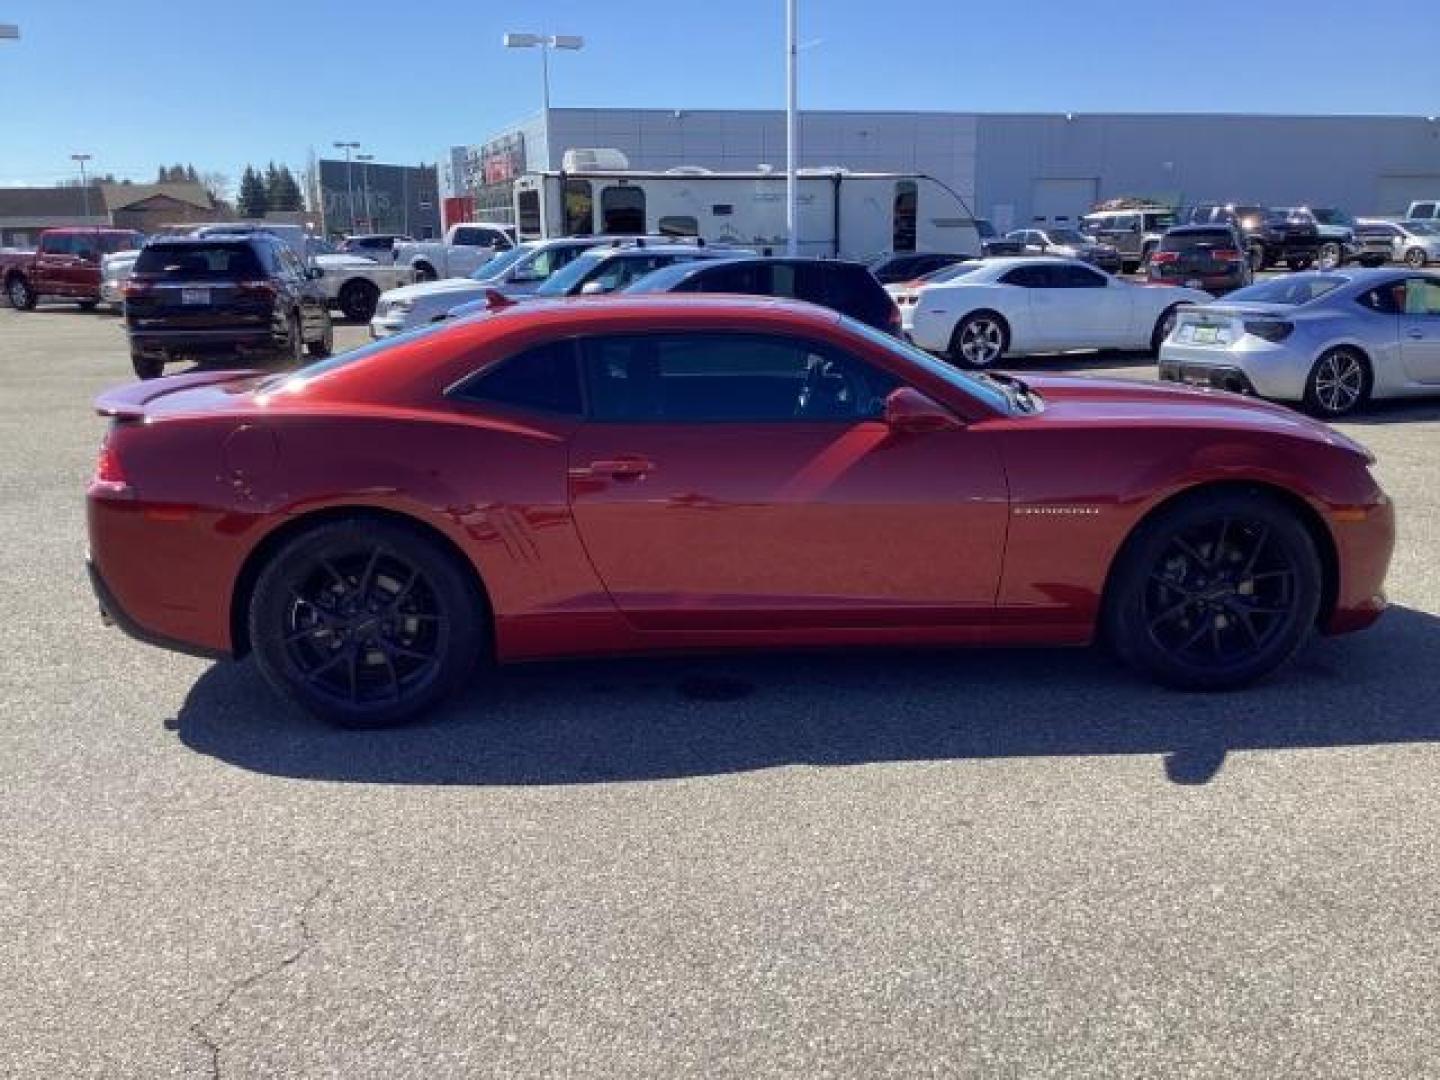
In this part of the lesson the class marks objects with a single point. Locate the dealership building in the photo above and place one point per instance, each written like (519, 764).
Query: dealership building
(1011, 168)
(370, 196)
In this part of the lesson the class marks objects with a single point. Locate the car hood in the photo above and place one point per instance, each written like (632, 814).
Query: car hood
(327, 261)
(1085, 400)
(423, 289)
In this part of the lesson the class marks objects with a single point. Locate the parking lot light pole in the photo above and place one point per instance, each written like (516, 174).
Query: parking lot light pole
(84, 184)
(349, 187)
(545, 42)
(792, 224)
(365, 160)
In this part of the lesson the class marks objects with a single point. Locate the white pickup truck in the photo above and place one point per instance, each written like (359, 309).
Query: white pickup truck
(465, 247)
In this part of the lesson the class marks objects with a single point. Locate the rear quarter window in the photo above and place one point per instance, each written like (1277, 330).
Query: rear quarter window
(545, 378)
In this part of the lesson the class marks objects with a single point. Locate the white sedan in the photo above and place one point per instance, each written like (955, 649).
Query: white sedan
(1017, 306)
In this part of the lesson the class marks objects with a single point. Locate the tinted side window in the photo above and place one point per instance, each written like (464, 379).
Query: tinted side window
(854, 290)
(544, 378)
(1422, 297)
(718, 377)
(57, 244)
(1028, 277)
(1076, 277)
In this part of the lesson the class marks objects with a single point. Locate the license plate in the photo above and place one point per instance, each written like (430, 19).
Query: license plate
(1194, 283)
(1192, 377)
(194, 296)
(1206, 335)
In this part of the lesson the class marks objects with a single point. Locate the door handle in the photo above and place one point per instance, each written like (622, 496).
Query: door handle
(621, 468)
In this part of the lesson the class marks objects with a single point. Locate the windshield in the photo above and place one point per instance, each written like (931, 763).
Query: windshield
(1291, 291)
(499, 264)
(1067, 236)
(973, 385)
(563, 281)
(1332, 217)
(950, 273)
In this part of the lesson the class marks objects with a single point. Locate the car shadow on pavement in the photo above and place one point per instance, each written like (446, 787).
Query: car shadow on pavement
(627, 720)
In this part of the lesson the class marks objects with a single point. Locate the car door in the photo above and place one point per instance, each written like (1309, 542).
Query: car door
(55, 264)
(1420, 330)
(1062, 312)
(743, 481)
(308, 294)
(1105, 308)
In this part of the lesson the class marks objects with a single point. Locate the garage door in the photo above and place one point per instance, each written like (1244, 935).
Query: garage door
(1061, 201)
(1398, 192)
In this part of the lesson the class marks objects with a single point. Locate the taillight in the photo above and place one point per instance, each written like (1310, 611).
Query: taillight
(1160, 258)
(1227, 255)
(136, 288)
(1270, 329)
(109, 473)
(260, 288)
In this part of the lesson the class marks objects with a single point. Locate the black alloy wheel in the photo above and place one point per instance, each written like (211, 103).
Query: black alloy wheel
(358, 300)
(1216, 592)
(21, 296)
(365, 623)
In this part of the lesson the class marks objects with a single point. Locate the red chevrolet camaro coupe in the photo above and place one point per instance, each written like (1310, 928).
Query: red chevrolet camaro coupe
(683, 473)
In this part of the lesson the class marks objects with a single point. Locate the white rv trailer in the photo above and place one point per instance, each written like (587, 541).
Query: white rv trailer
(842, 214)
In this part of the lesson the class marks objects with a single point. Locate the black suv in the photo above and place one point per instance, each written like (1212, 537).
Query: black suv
(246, 295)
(1271, 236)
(847, 287)
(909, 265)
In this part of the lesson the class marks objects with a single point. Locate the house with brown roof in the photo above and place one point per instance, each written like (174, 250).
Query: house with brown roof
(25, 211)
(150, 207)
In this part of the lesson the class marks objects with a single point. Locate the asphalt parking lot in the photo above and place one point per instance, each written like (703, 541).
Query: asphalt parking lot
(933, 864)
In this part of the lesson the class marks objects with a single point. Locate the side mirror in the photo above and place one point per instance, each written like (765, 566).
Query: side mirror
(592, 288)
(909, 411)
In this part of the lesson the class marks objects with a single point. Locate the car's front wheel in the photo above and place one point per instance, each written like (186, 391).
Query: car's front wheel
(22, 297)
(357, 300)
(366, 622)
(1215, 591)
(1415, 257)
(979, 341)
(324, 345)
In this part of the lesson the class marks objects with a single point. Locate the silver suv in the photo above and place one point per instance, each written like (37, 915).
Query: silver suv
(1134, 233)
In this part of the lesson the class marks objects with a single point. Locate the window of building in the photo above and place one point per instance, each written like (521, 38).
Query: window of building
(622, 210)
(528, 206)
(679, 225)
(905, 219)
(579, 208)
(544, 378)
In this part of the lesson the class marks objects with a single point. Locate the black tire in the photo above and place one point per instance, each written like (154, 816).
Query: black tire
(1214, 591)
(21, 296)
(1415, 257)
(1331, 256)
(325, 344)
(147, 367)
(979, 341)
(366, 623)
(1163, 326)
(424, 272)
(1301, 263)
(292, 352)
(1339, 383)
(1370, 262)
(88, 305)
(357, 300)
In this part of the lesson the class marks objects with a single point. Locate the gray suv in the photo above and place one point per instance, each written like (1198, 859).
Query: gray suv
(1134, 233)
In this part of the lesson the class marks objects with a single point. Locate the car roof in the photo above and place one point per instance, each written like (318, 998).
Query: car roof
(212, 239)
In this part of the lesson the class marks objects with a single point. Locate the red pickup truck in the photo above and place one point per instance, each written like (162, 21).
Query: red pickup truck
(65, 265)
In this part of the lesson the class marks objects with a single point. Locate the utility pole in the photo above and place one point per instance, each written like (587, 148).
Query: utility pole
(365, 160)
(349, 185)
(84, 184)
(792, 216)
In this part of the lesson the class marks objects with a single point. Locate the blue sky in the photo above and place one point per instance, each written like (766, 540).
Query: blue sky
(145, 81)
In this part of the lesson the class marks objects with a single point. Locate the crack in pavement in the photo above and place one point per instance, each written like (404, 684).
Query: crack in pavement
(200, 1028)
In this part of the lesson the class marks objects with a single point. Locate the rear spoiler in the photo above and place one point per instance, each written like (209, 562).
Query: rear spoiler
(128, 402)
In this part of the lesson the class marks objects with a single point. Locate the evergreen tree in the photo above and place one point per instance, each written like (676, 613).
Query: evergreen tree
(191, 175)
(272, 185)
(285, 195)
(253, 197)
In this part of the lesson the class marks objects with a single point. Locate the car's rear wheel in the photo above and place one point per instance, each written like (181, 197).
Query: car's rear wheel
(22, 297)
(1330, 255)
(147, 366)
(324, 345)
(366, 622)
(358, 299)
(88, 305)
(1415, 257)
(980, 340)
(1304, 262)
(1163, 326)
(1216, 591)
(1339, 384)
(292, 352)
